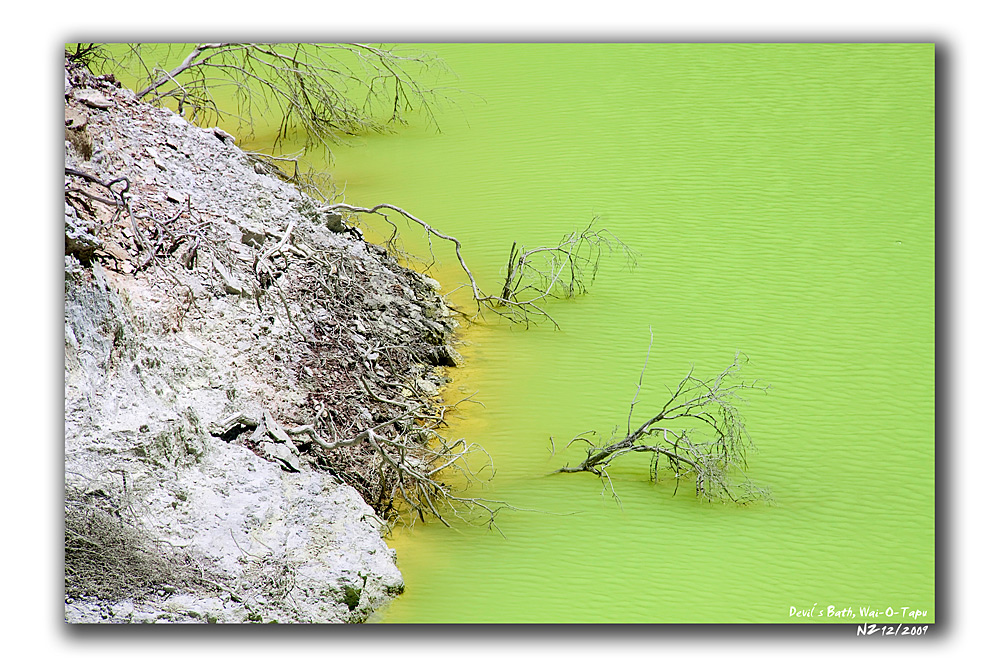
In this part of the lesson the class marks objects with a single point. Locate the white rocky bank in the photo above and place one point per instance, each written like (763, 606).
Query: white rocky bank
(145, 382)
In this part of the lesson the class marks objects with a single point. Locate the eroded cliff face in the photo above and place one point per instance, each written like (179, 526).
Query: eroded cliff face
(211, 308)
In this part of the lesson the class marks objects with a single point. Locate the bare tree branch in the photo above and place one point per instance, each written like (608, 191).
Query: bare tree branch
(533, 276)
(327, 91)
(717, 460)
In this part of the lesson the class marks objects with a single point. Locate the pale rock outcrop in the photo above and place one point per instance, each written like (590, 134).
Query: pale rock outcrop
(256, 536)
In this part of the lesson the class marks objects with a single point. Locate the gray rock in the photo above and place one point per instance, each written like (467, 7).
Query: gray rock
(335, 222)
(230, 283)
(80, 238)
(252, 234)
(76, 118)
(151, 386)
(92, 98)
(157, 160)
(223, 135)
(447, 356)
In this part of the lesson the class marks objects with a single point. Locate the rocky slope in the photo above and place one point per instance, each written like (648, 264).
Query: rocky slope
(218, 325)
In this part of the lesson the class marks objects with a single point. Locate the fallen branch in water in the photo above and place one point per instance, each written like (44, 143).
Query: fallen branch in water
(328, 91)
(698, 433)
(565, 269)
(532, 276)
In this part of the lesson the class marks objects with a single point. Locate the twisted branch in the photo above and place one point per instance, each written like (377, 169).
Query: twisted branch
(532, 276)
(330, 91)
(717, 462)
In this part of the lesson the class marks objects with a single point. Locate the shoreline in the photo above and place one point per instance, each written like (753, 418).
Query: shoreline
(224, 339)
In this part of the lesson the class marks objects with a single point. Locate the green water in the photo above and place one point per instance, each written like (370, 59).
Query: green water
(781, 198)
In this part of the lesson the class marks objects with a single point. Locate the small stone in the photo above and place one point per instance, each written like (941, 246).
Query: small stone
(252, 235)
(284, 454)
(446, 355)
(94, 99)
(80, 238)
(115, 250)
(335, 222)
(156, 158)
(427, 387)
(175, 196)
(229, 283)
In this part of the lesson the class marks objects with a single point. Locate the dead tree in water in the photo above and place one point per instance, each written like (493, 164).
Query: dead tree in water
(565, 269)
(326, 91)
(532, 276)
(698, 433)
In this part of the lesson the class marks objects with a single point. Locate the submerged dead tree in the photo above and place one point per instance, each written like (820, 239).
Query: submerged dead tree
(698, 433)
(325, 91)
(564, 269)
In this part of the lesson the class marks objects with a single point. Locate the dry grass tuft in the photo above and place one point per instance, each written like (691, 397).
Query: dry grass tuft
(111, 556)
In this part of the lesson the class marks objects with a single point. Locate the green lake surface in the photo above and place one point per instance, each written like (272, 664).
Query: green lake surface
(781, 199)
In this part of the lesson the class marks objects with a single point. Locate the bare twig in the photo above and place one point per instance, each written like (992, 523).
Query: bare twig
(638, 385)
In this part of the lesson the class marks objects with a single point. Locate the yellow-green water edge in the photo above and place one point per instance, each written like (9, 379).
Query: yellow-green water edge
(781, 197)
